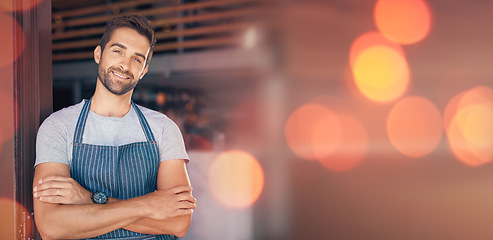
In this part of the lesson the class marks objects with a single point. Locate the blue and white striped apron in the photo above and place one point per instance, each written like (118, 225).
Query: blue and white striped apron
(122, 172)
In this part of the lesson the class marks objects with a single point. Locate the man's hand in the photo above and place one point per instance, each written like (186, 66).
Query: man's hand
(170, 203)
(63, 190)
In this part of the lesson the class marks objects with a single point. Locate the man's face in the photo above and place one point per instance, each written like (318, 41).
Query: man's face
(123, 61)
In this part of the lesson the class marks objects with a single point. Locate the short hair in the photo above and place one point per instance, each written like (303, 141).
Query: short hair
(135, 22)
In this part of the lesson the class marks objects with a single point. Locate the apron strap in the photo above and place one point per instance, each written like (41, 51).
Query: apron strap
(81, 122)
(144, 124)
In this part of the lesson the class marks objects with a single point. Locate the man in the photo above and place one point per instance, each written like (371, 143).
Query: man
(106, 167)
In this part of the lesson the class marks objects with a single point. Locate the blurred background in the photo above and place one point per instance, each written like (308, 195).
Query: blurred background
(336, 119)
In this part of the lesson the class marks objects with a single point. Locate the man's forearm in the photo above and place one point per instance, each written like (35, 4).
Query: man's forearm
(87, 220)
(177, 226)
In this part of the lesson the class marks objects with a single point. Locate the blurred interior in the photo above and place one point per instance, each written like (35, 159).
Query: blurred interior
(337, 119)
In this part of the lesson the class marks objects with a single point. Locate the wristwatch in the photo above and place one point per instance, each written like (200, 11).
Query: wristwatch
(99, 197)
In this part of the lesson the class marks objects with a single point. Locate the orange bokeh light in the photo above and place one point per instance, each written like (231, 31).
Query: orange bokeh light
(470, 132)
(312, 130)
(403, 21)
(476, 96)
(161, 99)
(10, 48)
(370, 39)
(19, 5)
(11, 218)
(414, 126)
(451, 110)
(352, 149)
(381, 73)
(352, 145)
(236, 179)
(478, 130)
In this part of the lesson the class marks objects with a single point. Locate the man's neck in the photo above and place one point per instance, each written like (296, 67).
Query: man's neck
(107, 104)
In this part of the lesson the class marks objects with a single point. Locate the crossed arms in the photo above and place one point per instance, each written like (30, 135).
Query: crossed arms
(63, 209)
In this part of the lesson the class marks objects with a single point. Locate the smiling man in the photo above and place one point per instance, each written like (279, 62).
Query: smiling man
(107, 168)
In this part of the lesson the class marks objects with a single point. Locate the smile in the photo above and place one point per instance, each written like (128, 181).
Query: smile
(119, 75)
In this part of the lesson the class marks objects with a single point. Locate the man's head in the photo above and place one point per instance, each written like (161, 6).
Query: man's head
(124, 53)
(135, 22)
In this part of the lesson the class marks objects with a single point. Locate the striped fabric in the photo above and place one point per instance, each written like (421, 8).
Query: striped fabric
(122, 172)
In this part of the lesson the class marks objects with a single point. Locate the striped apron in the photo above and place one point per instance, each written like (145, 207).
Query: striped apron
(122, 172)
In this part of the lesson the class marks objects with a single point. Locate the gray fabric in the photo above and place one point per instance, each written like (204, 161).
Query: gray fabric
(56, 134)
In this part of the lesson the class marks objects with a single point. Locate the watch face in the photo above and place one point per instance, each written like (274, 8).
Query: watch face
(99, 198)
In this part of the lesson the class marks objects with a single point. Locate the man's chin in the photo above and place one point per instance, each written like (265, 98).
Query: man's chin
(119, 91)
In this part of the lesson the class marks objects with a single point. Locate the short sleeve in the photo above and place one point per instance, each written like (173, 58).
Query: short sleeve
(51, 143)
(172, 145)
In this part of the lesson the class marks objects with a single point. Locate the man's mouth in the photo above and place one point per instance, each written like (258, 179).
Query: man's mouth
(119, 75)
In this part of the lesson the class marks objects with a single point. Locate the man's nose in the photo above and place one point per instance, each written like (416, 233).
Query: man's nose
(124, 63)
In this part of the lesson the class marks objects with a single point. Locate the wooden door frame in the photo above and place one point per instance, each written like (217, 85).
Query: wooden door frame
(33, 98)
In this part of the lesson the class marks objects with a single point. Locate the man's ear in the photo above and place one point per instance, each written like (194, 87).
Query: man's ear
(97, 54)
(144, 71)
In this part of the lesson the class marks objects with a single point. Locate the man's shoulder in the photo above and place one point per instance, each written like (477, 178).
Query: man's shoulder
(61, 123)
(67, 114)
(151, 113)
(154, 117)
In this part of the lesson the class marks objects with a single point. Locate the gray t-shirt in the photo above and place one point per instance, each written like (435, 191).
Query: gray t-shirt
(56, 134)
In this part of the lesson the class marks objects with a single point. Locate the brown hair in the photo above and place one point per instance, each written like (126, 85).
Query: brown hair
(135, 22)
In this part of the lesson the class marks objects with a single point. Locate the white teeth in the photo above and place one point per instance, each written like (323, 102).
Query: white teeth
(119, 75)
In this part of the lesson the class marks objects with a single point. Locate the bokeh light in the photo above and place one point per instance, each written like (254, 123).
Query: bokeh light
(451, 110)
(18, 5)
(478, 130)
(312, 130)
(352, 149)
(476, 96)
(236, 179)
(403, 21)
(414, 126)
(8, 50)
(459, 144)
(251, 38)
(470, 132)
(352, 146)
(161, 99)
(370, 39)
(12, 215)
(381, 73)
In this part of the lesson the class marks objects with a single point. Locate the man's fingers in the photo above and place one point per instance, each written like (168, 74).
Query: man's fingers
(188, 198)
(187, 205)
(52, 184)
(183, 212)
(181, 189)
(49, 192)
(54, 178)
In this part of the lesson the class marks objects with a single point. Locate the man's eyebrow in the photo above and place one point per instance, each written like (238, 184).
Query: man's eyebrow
(124, 47)
(118, 45)
(141, 55)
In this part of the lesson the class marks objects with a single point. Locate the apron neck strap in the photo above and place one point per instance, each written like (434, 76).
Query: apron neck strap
(81, 122)
(144, 124)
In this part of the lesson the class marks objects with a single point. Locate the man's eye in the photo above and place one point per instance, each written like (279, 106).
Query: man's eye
(137, 60)
(117, 51)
